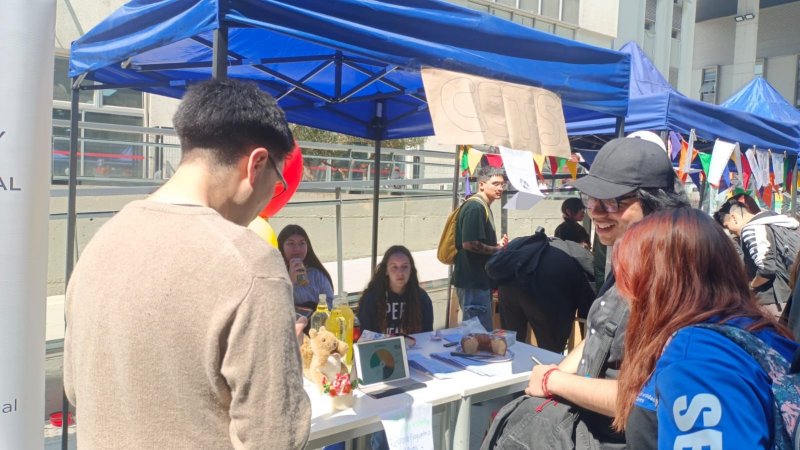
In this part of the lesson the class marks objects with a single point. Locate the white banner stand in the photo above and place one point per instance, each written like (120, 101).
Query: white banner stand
(27, 34)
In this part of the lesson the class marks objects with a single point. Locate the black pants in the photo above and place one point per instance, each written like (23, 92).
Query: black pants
(548, 301)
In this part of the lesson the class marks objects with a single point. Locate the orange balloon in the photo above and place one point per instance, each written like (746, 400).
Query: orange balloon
(293, 173)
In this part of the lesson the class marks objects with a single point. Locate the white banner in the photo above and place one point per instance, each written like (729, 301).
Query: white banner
(522, 175)
(27, 34)
(468, 109)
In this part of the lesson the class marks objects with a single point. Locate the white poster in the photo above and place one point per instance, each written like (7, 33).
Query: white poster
(409, 429)
(468, 109)
(522, 175)
(777, 167)
(750, 154)
(762, 156)
(719, 159)
(27, 34)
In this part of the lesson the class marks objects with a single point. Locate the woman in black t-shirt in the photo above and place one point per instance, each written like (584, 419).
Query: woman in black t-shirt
(393, 302)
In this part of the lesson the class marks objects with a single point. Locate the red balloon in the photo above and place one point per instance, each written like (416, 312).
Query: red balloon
(293, 173)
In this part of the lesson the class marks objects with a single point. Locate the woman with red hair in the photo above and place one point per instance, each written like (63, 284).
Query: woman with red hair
(682, 386)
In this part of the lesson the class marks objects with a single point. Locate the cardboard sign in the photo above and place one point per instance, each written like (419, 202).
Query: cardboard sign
(468, 109)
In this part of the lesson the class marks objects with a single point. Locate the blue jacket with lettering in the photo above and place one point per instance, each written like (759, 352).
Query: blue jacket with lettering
(706, 393)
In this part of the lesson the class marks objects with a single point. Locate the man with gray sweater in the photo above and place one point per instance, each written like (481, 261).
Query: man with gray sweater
(179, 319)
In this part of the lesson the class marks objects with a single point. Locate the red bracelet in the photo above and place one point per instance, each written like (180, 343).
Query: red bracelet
(546, 377)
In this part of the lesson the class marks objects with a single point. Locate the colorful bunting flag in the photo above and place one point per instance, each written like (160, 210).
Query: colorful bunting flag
(474, 159)
(705, 161)
(719, 162)
(494, 160)
(572, 166)
(674, 143)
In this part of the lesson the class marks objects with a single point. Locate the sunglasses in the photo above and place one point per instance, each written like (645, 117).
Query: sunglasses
(281, 186)
(609, 206)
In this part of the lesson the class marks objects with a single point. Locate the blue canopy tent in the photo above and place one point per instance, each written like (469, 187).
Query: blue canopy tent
(350, 66)
(655, 105)
(760, 98)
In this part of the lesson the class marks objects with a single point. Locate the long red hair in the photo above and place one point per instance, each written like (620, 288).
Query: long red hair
(676, 268)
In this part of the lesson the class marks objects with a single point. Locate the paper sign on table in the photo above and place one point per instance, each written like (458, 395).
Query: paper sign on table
(522, 175)
(467, 109)
(409, 429)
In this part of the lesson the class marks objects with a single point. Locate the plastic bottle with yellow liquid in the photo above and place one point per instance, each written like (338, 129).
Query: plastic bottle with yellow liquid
(321, 315)
(340, 323)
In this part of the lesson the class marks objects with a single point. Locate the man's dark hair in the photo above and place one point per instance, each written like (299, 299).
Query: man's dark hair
(230, 117)
(487, 172)
(571, 205)
(653, 200)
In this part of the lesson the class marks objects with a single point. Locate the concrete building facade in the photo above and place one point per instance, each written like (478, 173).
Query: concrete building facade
(741, 39)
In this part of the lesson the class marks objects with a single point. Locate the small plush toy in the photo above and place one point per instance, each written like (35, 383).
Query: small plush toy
(322, 355)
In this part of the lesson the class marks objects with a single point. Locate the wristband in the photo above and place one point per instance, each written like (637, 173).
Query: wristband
(545, 378)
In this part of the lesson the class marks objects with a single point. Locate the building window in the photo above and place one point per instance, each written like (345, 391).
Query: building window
(760, 68)
(107, 152)
(708, 87)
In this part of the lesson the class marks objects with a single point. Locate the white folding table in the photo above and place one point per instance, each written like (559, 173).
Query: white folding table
(453, 396)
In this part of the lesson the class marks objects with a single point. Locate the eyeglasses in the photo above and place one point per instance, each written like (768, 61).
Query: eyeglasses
(609, 206)
(281, 180)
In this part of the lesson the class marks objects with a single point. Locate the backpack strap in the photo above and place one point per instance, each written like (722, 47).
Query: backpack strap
(480, 200)
(778, 369)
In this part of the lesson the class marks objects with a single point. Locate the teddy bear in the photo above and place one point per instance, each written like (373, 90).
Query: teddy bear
(322, 355)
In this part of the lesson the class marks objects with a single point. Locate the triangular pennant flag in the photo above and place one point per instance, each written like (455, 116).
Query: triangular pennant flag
(725, 179)
(674, 143)
(473, 159)
(561, 162)
(705, 161)
(695, 177)
(494, 160)
(464, 161)
(553, 165)
(684, 152)
(719, 162)
(746, 173)
(467, 187)
(572, 166)
(767, 196)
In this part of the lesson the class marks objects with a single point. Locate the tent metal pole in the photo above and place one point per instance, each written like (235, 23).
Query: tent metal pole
(619, 130)
(456, 167)
(794, 184)
(376, 193)
(339, 251)
(219, 64)
(376, 183)
(71, 224)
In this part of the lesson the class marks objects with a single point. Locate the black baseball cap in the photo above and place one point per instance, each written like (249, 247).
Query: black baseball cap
(624, 165)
